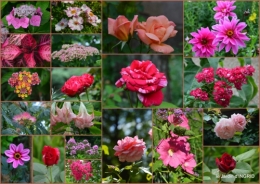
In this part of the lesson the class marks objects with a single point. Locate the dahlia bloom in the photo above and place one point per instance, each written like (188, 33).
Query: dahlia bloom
(203, 44)
(17, 155)
(130, 149)
(83, 119)
(230, 35)
(223, 9)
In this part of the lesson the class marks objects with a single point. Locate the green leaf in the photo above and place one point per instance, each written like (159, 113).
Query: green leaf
(242, 168)
(229, 178)
(245, 155)
(117, 98)
(207, 117)
(3, 3)
(95, 130)
(42, 5)
(45, 17)
(40, 179)
(62, 176)
(251, 81)
(145, 169)
(39, 168)
(165, 105)
(213, 62)
(128, 167)
(236, 102)
(97, 113)
(156, 165)
(189, 75)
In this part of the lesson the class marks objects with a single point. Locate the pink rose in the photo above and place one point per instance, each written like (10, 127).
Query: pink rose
(121, 27)
(225, 128)
(155, 31)
(130, 149)
(239, 121)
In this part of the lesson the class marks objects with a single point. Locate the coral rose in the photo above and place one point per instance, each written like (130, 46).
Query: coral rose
(226, 163)
(144, 78)
(121, 27)
(130, 149)
(225, 128)
(50, 156)
(155, 31)
(239, 121)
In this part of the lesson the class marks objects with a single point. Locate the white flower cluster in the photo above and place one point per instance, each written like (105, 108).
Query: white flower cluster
(76, 21)
(24, 11)
(69, 52)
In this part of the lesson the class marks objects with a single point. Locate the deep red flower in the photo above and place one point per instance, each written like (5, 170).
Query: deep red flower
(226, 163)
(50, 156)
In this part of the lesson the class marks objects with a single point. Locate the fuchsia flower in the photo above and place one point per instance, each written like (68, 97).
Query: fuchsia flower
(130, 149)
(206, 75)
(223, 9)
(189, 164)
(203, 44)
(230, 35)
(17, 155)
(83, 119)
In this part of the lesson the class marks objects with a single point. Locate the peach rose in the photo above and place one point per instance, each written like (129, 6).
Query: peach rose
(121, 27)
(225, 128)
(155, 31)
(239, 121)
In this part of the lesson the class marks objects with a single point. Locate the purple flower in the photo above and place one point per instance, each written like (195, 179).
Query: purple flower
(229, 34)
(223, 9)
(35, 20)
(95, 147)
(71, 141)
(17, 155)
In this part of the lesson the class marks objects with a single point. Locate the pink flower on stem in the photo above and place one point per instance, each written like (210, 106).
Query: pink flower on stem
(225, 128)
(203, 44)
(223, 9)
(189, 164)
(17, 155)
(230, 35)
(199, 94)
(130, 149)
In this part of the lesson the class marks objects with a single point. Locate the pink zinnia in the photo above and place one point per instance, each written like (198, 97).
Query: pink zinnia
(17, 155)
(223, 9)
(229, 34)
(130, 149)
(203, 44)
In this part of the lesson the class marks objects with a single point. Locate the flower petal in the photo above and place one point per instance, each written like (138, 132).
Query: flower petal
(25, 158)
(19, 148)
(10, 160)
(9, 153)
(15, 164)
(163, 48)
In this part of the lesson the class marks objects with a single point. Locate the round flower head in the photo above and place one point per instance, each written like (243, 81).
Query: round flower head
(225, 128)
(239, 121)
(61, 25)
(223, 9)
(50, 156)
(130, 149)
(230, 35)
(202, 42)
(17, 155)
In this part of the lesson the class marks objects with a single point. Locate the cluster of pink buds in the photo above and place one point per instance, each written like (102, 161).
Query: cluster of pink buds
(81, 170)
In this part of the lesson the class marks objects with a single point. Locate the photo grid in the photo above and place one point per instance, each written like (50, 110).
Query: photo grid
(108, 91)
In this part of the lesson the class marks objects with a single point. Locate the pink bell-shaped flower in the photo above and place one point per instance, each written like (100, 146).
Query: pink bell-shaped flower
(83, 119)
(65, 114)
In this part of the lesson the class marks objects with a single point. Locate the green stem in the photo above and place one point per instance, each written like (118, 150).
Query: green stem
(51, 174)
(163, 177)
(195, 137)
(219, 180)
(129, 47)
(87, 94)
(78, 97)
(128, 96)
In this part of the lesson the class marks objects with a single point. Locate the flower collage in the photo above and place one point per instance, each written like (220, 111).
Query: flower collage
(131, 91)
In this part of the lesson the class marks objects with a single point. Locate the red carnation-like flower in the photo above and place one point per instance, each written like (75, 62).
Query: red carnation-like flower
(50, 156)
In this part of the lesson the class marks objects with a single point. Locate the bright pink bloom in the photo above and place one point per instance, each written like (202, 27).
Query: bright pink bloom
(130, 149)
(83, 119)
(199, 94)
(17, 155)
(206, 75)
(24, 118)
(239, 121)
(203, 44)
(173, 151)
(225, 128)
(79, 169)
(230, 35)
(222, 93)
(179, 121)
(223, 9)
(189, 164)
(35, 20)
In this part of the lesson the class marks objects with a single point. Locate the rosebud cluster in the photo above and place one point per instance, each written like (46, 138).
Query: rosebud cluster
(23, 82)
(219, 86)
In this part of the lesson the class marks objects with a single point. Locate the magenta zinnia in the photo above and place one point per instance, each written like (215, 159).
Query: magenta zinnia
(229, 34)
(17, 155)
(223, 9)
(203, 45)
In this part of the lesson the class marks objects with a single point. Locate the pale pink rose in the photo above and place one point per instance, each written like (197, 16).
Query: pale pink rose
(130, 149)
(121, 27)
(155, 31)
(240, 122)
(225, 128)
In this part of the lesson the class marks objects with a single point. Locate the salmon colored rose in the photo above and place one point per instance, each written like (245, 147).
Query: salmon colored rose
(226, 163)
(155, 31)
(50, 156)
(121, 27)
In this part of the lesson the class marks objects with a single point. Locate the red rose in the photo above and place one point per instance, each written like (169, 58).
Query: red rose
(144, 78)
(50, 156)
(226, 163)
(77, 84)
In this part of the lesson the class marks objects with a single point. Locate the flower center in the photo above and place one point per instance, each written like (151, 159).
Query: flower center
(230, 33)
(170, 152)
(76, 23)
(73, 11)
(204, 41)
(17, 156)
(62, 24)
(224, 10)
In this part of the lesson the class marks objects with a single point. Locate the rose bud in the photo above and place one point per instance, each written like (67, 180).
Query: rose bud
(50, 156)
(226, 163)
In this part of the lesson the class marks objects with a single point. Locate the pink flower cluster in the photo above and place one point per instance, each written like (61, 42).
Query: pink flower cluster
(70, 52)
(175, 151)
(81, 170)
(24, 118)
(76, 22)
(226, 127)
(228, 34)
(223, 81)
(66, 115)
(130, 149)
(23, 16)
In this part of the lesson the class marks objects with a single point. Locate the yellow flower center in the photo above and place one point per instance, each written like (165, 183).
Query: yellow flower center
(73, 11)
(170, 152)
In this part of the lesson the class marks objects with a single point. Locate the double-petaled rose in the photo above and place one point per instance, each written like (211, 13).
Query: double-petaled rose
(144, 78)
(226, 163)
(50, 156)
